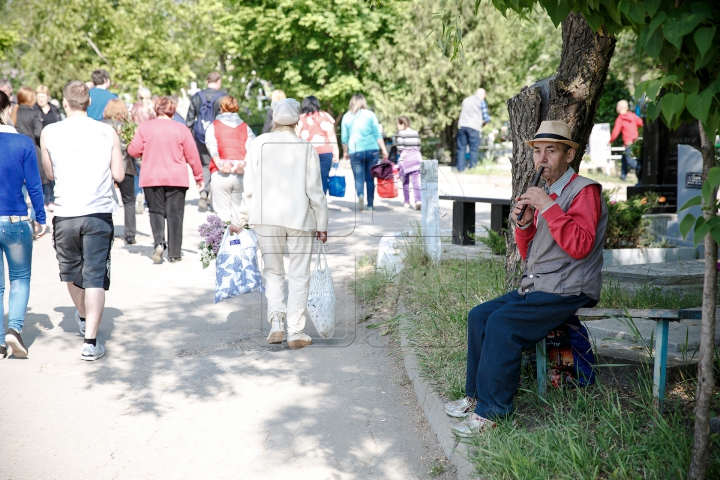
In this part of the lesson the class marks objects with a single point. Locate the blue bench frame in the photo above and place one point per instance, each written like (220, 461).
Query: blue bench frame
(662, 319)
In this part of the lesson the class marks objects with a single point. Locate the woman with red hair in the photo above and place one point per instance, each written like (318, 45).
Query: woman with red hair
(166, 147)
(228, 139)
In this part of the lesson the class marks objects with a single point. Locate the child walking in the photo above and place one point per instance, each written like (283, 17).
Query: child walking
(409, 158)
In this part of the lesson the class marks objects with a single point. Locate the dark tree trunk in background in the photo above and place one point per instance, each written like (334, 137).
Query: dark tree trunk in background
(571, 95)
(450, 140)
(706, 378)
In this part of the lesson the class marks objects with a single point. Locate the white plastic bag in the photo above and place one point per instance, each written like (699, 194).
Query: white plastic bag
(236, 267)
(321, 298)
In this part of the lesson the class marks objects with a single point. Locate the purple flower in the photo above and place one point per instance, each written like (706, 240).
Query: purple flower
(213, 231)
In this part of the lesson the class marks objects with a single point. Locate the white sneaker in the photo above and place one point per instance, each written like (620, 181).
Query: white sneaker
(92, 352)
(277, 330)
(460, 408)
(473, 425)
(417, 205)
(406, 205)
(298, 340)
(81, 323)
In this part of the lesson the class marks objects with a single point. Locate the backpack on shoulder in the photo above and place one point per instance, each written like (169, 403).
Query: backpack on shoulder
(205, 115)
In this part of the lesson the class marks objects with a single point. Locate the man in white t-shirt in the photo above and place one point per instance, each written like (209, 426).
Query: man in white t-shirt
(84, 159)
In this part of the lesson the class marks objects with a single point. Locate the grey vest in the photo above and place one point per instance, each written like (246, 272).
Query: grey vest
(550, 269)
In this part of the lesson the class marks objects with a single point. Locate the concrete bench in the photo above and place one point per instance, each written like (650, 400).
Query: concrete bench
(662, 317)
(464, 216)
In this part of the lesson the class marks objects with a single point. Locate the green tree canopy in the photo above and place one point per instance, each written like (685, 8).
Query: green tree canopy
(315, 47)
(412, 78)
(140, 43)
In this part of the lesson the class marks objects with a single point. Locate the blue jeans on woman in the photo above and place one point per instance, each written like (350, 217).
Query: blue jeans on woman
(16, 246)
(361, 163)
(498, 330)
(325, 165)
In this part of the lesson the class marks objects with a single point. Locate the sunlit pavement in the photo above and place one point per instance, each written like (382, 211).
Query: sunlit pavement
(190, 389)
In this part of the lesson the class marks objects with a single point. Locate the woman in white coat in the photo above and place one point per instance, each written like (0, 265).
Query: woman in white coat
(283, 200)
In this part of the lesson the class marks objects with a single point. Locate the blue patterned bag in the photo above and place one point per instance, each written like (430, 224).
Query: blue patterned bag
(236, 266)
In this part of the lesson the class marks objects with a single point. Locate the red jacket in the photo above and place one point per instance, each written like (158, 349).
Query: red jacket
(574, 230)
(627, 123)
(166, 148)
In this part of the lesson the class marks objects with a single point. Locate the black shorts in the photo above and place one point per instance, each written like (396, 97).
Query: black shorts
(83, 245)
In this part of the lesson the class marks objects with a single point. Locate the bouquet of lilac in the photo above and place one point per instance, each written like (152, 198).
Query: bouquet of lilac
(213, 231)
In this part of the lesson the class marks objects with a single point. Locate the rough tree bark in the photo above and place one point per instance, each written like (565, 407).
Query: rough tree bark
(571, 95)
(706, 377)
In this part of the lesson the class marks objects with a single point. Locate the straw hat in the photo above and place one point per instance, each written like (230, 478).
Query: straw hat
(551, 131)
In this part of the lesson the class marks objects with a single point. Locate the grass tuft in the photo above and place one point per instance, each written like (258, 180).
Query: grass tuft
(608, 431)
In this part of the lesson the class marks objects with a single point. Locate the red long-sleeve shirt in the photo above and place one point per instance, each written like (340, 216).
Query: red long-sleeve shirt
(627, 123)
(574, 230)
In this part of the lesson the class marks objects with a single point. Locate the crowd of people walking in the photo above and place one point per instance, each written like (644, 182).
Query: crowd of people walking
(68, 160)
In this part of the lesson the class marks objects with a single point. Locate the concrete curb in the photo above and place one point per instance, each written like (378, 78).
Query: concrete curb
(434, 408)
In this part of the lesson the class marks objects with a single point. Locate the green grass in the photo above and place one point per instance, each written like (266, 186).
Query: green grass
(647, 296)
(605, 431)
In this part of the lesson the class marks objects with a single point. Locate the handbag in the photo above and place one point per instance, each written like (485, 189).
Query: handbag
(388, 187)
(336, 184)
(236, 266)
(382, 170)
(321, 296)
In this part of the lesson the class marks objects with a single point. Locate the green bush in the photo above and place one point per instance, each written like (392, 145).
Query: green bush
(626, 227)
(494, 241)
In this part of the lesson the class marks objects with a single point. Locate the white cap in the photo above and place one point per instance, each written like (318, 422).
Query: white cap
(286, 112)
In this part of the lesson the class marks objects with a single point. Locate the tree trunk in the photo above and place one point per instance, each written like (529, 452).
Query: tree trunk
(571, 95)
(706, 377)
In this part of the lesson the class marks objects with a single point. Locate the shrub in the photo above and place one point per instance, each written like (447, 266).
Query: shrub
(626, 226)
(494, 241)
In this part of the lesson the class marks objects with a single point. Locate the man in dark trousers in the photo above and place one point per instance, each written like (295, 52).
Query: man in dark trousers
(204, 107)
(561, 236)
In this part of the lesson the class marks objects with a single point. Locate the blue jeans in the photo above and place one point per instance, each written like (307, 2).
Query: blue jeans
(509, 324)
(16, 244)
(325, 165)
(467, 137)
(627, 162)
(361, 163)
(138, 190)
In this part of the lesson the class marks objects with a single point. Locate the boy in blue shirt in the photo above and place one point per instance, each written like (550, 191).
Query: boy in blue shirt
(99, 95)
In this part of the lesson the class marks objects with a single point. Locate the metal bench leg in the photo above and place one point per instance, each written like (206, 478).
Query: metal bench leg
(661, 347)
(541, 362)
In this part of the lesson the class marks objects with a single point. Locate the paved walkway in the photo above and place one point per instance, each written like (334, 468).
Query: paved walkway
(190, 389)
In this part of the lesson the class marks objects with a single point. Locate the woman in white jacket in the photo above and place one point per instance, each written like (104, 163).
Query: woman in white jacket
(283, 199)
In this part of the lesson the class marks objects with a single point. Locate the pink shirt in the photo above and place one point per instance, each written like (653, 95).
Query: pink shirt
(166, 147)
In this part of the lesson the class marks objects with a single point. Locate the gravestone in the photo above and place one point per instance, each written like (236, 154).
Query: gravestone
(660, 161)
(430, 223)
(430, 199)
(599, 150)
(689, 184)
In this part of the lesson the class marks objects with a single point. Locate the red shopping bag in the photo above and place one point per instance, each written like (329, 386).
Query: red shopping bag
(388, 187)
